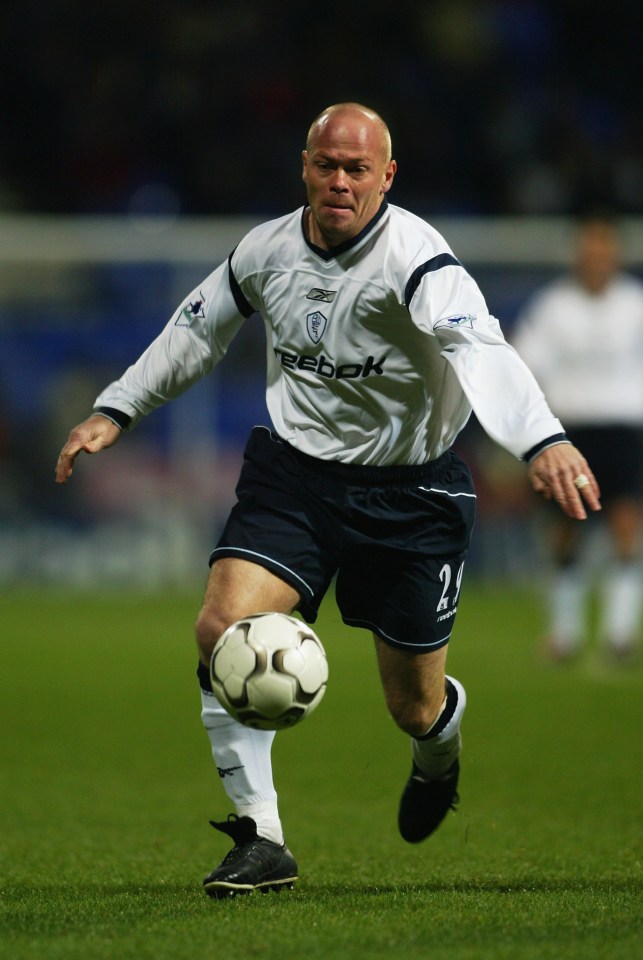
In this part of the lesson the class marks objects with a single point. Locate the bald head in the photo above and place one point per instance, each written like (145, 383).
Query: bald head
(347, 169)
(340, 114)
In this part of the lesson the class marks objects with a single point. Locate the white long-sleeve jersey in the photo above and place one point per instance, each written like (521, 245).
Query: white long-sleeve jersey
(586, 350)
(377, 351)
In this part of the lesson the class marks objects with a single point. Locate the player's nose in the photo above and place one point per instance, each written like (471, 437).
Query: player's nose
(339, 180)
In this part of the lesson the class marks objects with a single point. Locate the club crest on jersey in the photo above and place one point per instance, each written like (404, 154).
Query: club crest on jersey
(196, 308)
(465, 320)
(315, 325)
(326, 296)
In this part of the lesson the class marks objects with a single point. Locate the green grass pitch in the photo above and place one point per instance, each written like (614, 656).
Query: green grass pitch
(107, 787)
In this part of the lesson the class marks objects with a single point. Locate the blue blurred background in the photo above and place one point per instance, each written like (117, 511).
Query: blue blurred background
(140, 141)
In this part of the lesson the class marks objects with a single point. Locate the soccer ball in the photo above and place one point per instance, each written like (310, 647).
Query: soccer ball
(269, 671)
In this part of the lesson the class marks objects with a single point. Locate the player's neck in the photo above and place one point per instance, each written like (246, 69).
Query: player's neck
(313, 232)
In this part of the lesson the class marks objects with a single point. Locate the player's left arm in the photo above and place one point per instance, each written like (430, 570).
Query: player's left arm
(499, 386)
(511, 407)
(502, 390)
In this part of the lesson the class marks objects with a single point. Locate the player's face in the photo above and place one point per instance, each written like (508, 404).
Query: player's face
(347, 171)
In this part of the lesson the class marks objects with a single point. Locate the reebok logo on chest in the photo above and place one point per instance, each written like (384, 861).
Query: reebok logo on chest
(323, 367)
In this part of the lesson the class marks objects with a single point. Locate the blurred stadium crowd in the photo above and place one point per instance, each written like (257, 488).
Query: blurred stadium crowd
(200, 106)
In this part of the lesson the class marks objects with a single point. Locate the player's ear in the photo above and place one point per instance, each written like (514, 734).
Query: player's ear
(389, 174)
(304, 165)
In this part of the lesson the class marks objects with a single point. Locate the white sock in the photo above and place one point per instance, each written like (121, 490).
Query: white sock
(566, 609)
(622, 602)
(435, 755)
(242, 756)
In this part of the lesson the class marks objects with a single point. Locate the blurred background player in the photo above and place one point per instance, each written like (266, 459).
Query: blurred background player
(582, 336)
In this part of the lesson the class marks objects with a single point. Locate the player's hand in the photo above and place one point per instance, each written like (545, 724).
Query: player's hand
(559, 474)
(94, 434)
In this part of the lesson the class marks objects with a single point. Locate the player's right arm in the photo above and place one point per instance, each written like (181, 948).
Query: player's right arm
(190, 345)
(192, 342)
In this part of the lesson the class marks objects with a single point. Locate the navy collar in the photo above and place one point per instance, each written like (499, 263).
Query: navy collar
(347, 244)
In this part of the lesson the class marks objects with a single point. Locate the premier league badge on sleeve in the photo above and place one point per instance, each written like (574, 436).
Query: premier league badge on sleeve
(462, 320)
(192, 310)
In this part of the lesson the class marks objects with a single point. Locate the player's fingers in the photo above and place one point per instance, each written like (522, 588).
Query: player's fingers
(79, 439)
(577, 490)
(92, 435)
(591, 492)
(585, 486)
(562, 473)
(541, 486)
(592, 497)
(567, 496)
(571, 502)
(65, 463)
(556, 482)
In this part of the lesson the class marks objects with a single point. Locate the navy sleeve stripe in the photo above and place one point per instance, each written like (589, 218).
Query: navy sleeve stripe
(245, 309)
(118, 417)
(549, 442)
(435, 263)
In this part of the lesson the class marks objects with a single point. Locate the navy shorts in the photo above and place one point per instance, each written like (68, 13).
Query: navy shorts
(395, 537)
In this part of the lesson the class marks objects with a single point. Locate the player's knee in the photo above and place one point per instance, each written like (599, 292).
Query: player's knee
(414, 717)
(208, 628)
